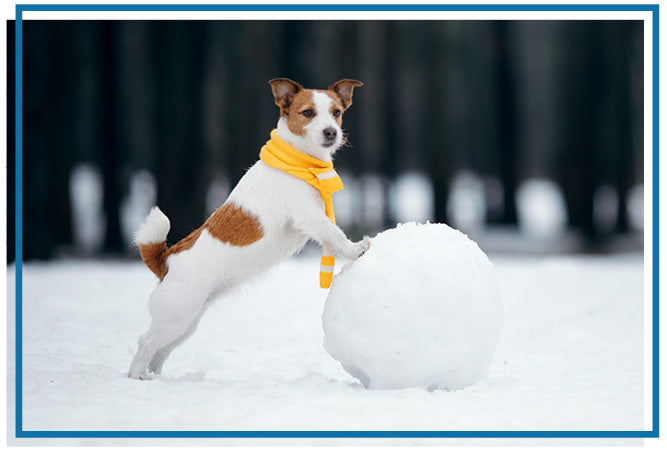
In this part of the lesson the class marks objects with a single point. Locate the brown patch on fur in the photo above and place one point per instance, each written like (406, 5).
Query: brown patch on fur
(186, 243)
(231, 225)
(296, 121)
(155, 257)
(155, 254)
(228, 224)
(336, 105)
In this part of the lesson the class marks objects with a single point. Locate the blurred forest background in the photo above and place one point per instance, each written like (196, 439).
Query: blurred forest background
(527, 135)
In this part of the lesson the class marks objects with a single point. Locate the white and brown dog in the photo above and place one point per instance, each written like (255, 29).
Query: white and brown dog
(268, 217)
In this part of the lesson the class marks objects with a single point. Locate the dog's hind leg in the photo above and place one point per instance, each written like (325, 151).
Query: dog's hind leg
(175, 309)
(157, 362)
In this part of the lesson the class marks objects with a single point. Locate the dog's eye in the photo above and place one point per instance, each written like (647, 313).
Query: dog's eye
(307, 113)
(336, 113)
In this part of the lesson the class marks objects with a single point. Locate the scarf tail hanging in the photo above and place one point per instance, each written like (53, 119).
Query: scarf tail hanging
(326, 267)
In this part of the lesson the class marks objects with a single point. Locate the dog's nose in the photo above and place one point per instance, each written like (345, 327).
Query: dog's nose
(329, 133)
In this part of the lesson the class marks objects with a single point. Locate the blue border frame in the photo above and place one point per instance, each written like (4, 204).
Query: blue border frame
(20, 433)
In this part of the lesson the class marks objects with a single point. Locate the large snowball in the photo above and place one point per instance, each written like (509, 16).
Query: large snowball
(421, 308)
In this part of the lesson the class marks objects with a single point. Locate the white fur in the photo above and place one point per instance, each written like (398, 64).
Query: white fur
(290, 212)
(154, 229)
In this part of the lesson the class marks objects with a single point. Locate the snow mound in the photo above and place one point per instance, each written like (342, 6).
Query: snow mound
(421, 308)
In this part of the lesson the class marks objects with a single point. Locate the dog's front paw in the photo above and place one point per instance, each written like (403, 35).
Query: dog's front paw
(362, 246)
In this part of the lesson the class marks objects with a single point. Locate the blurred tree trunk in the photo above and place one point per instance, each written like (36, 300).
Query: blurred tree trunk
(111, 155)
(438, 133)
(215, 98)
(61, 161)
(293, 40)
(89, 91)
(264, 38)
(390, 165)
(136, 96)
(239, 108)
(636, 63)
(47, 113)
(408, 92)
(537, 68)
(618, 36)
(506, 120)
(372, 53)
(181, 186)
(372, 139)
(582, 96)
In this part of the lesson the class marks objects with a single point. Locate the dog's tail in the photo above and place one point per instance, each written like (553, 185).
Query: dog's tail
(151, 238)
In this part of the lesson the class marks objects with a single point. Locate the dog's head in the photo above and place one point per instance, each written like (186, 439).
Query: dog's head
(310, 120)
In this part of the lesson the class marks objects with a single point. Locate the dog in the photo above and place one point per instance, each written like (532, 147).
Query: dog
(268, 217)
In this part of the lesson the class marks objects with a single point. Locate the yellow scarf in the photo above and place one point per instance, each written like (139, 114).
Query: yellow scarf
(319, 174)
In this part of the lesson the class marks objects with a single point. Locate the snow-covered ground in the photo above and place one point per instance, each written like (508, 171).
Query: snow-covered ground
(570, 355)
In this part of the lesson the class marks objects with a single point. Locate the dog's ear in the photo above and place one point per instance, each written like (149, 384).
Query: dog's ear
(284, 91)
(343, 88)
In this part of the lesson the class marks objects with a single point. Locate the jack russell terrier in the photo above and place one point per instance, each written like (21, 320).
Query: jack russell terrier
(283, 200)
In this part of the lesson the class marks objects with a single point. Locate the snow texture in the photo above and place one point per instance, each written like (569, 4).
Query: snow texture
(421, 308)
(86, 196)
(411, 197)
(635, 207)
(569, 356)
(541, 209)
(466, 204)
